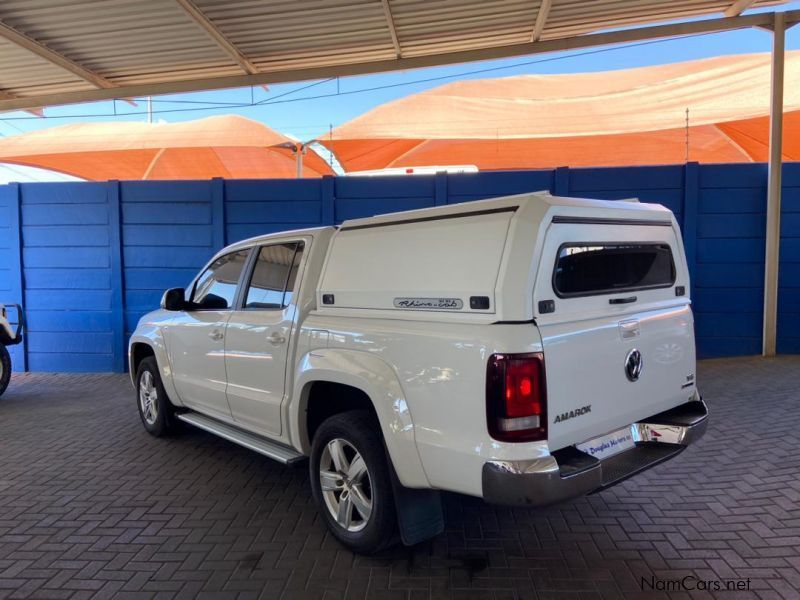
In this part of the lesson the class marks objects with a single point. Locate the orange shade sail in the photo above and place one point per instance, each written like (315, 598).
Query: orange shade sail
(223, 146)
(628, 117)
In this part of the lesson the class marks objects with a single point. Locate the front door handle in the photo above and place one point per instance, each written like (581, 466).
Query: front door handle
(276, 338)
(216, 335)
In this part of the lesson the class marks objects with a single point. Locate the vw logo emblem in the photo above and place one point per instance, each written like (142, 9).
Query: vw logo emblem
(633, 365)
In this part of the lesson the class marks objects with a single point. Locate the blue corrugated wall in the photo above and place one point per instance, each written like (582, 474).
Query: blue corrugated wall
(789, 277)
(10, 248)
(88, 259)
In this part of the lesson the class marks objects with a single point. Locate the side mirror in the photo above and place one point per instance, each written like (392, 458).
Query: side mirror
(173, 299)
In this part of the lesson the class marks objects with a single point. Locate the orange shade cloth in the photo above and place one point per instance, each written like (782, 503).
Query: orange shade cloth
(630, 117)
(224, 146)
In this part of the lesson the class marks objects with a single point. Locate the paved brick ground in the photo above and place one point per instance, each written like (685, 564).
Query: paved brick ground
(91, 506)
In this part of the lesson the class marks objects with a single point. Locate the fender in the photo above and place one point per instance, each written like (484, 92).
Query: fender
(152, 335)
(375, 378)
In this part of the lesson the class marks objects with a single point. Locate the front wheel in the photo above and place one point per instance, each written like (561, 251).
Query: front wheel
(155, 409)
(351, 484)
(5, 368)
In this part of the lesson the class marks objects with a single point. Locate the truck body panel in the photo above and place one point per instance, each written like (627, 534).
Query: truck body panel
(411, 307)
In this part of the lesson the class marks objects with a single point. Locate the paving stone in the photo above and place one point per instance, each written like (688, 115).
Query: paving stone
(93, 507)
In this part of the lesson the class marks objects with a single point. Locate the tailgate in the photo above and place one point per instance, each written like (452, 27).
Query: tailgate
(619, 341)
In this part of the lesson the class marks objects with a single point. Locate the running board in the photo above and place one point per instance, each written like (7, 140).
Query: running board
(283, 454)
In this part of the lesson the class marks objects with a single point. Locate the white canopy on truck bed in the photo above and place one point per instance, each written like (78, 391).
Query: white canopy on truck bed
(475, 260)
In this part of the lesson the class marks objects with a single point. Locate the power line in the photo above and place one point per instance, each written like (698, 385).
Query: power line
(300, 89)
(207, 102)
(5, 121)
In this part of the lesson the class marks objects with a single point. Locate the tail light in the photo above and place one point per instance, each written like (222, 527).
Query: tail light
(516, 397)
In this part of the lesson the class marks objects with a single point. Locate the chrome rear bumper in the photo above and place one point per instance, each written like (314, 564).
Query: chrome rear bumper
(568, 473)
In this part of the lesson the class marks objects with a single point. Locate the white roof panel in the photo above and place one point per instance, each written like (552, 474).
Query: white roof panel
(62, 51)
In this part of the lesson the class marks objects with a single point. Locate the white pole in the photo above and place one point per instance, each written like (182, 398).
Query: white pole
(300, 150)
(774, 188)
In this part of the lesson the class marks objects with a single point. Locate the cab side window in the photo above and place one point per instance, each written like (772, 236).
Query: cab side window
(274, 274)
(292, 282)
(215, 289)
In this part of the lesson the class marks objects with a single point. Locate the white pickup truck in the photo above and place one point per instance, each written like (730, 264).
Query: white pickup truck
(524, 350)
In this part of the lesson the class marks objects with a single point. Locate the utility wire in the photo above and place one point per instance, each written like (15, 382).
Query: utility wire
(11, 125)
(300, 89)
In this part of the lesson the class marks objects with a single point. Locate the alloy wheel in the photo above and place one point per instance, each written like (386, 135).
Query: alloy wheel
(148, 398)
(346, 485)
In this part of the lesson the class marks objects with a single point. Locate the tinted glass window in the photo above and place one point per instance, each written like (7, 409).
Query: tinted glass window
(589, 269)
(216, 286)
(272, 282)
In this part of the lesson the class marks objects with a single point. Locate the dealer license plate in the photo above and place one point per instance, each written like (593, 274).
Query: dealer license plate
(609, 444)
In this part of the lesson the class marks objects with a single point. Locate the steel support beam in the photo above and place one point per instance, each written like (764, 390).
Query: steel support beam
(773, 233)
(387, 11)
(541, 19)
(36, 111)
(738, 7)
(213, 31)
(53, 57)
(555, 45)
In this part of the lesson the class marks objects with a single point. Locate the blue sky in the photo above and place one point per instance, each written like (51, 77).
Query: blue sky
(306, 119)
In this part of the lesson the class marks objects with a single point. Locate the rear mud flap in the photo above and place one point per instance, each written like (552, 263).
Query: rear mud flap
(419, 512)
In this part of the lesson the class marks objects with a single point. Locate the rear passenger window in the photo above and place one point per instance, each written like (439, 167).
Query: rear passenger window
(292, 282)
(273, 279)
(215, 289)
(588, 269)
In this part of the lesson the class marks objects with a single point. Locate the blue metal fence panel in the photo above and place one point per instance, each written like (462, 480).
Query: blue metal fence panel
(167, 234)
(256, 207)
(358, 197)
(94, 257)
(789, 274)
(479, 186)
(729, 283)
(11, 284)
(67, 270)
(661, 185)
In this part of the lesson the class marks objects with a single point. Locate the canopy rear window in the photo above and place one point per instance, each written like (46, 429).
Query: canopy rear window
(590, 269)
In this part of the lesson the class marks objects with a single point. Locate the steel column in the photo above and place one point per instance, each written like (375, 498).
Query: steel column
(300, 149)
(773, 234)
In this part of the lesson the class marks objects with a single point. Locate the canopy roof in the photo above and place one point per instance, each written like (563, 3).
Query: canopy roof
(61, 51)
(552, 120)
(222, 146)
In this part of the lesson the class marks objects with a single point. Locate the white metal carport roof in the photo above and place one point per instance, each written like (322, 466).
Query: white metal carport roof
(61, 51)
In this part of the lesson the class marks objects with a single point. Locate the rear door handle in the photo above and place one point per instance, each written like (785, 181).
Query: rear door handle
(276, 338)
(627, 300)
(216, 335)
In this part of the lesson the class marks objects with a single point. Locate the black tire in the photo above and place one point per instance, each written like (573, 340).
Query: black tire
(359, 429)
(160, 420)
(5, 368)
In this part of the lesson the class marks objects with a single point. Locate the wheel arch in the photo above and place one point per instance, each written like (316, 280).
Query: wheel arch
(138, 352)
(140, 347)
(377, 382)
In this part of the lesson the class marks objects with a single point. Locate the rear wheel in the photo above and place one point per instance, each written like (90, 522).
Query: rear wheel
(351, 483)
(5, 368)
(155, 409)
